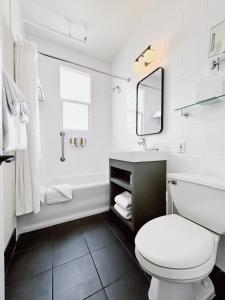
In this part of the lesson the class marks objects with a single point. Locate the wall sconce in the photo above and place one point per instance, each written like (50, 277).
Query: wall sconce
(145, 58)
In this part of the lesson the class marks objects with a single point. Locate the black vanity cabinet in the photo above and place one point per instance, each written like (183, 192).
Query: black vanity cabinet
(146, 181)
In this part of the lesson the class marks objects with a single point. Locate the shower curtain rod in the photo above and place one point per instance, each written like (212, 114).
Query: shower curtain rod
(83, 66)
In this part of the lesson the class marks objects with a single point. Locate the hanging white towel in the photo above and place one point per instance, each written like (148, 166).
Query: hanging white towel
(15, 115)
(124, 200)
(58, 193)
(123, 212)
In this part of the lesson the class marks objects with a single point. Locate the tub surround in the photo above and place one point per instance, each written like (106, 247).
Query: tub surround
(90, 196)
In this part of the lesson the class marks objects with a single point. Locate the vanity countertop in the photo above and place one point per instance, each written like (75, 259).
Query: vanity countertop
(138, 156)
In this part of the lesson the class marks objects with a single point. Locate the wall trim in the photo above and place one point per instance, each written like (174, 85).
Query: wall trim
(9, 250)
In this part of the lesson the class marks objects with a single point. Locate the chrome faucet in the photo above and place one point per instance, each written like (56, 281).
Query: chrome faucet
(142, 142)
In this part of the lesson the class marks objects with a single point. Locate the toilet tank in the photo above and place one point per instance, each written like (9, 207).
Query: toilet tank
(199, 198)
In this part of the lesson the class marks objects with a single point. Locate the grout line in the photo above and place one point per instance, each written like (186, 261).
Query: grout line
(93, 294)
(66, 262)
(121, 277)
(120, 242)
(27, 279)
(126, 248)
(95, 265)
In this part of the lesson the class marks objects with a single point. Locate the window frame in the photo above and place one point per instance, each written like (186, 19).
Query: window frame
(75, 101)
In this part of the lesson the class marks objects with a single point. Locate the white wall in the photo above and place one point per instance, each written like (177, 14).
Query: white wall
(94, 157)
(2, 28)
(178, 31)
(11, 29)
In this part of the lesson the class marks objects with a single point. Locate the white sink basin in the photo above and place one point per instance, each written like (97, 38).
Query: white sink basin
(138, 156)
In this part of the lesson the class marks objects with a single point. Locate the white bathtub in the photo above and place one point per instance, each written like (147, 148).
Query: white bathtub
(90, 196)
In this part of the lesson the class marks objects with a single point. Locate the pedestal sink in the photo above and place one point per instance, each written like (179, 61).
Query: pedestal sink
(138, 156)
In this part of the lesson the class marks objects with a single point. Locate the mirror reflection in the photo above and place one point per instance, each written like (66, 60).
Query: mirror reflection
(149, 114)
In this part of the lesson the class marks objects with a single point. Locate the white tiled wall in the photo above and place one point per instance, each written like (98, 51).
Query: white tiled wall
(178, 31)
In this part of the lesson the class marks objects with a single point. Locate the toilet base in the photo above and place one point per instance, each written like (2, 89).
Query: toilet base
(164, 290)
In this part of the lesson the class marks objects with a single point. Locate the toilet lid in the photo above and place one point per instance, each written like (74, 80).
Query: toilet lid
(174, 242)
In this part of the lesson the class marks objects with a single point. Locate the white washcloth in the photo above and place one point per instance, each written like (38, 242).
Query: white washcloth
(58, 193)
(124, 200)
(123, 212)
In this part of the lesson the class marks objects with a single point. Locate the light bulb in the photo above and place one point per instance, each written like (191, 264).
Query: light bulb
(141, 59)
(137, 66)
(148, 56)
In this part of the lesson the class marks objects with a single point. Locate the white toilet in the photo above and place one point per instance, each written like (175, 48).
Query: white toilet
(179, 251)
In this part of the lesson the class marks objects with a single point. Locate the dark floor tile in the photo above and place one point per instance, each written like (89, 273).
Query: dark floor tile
(134, 286)
(96, 233)
(34, 239)
(67, 227)
(66, 249)
(121, 231)
(112, 262)
(37, 288)
(98, 296)
(29, 263)
(75, 280)
(68, 244)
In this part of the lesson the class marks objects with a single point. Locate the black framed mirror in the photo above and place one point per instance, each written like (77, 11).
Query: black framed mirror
(149, 106)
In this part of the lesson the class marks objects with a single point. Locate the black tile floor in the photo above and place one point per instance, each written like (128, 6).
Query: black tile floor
(91, 258)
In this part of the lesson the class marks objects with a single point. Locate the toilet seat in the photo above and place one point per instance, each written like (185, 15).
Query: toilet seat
(176, 275)
(174, 248)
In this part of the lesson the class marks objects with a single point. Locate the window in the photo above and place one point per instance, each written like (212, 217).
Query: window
(75, 93)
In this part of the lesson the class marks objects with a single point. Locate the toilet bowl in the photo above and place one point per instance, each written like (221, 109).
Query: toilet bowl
(179, 251)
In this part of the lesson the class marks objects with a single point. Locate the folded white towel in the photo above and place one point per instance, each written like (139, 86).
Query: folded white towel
(58, 193)
(64, 189)
(124, 200)
(123, 212)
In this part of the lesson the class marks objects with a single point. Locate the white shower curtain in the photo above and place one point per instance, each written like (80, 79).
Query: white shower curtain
(29, 189)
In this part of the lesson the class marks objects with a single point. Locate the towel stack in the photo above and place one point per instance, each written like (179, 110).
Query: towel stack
(124, 205)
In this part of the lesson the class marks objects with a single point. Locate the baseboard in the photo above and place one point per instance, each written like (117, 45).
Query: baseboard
(60, 220)
(9, 250)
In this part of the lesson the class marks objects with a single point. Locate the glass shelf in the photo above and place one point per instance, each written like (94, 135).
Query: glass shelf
(202, 102)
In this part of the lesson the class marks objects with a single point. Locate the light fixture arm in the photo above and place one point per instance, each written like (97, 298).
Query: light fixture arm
(216, 63)
(142, 53)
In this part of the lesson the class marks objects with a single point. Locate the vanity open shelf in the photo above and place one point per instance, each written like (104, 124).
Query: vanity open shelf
(206, 101)
(122, 182)
(146, 181)
(126, 222)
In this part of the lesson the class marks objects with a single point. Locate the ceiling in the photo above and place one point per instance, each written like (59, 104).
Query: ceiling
(109, 22)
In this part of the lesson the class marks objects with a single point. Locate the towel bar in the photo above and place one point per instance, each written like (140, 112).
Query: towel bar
(62, 133)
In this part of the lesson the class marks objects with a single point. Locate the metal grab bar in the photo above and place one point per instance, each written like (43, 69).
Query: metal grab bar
(62, 134)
